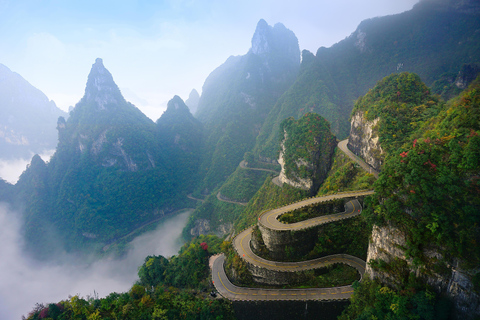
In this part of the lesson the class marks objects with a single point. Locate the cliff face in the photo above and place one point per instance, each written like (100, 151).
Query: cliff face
(450, 280)
(363, 140)
(294, 180)
(306, 152)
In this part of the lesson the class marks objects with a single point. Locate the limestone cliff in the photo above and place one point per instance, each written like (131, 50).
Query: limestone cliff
(306, 152)
(363, 140)
(446, 278)
(294, 180)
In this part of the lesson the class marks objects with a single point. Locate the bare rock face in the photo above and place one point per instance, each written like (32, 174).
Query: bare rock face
(202, 226)
(454, 282)
(306, 152)
(363, 140)
(294, 181)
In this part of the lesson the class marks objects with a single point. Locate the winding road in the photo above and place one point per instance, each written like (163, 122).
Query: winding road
(222, 198)
(243, 166)
(269, 220)
(342, 145)
(232, 292)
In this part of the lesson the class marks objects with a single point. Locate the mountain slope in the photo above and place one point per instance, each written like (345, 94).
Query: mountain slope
(113, 171)
(434, 38)
(238, 95)
(27, 118)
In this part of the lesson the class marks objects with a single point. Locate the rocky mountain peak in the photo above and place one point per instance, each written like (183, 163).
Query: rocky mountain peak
(176, 104)
(101, 89)
(275, 40)
(192, 101)
(260, 38)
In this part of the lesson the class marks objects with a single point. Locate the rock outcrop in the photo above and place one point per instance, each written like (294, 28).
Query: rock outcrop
(306, 152)
(363, 140)
(454, 282)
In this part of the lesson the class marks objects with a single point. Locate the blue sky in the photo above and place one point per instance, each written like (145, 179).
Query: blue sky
(158, 49)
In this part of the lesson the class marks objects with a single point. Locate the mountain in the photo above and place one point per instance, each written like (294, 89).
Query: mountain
(238, 95)
(27, 118)
(183, 134)
(192, 101)
(306, 152)
(434, 39)
(425, 211)
(113, 171)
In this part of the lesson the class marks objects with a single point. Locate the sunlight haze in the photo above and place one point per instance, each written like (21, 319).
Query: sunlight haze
(157, 49)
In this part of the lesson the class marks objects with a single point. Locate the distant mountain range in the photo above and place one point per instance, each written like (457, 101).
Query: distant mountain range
(27, 118)
(115, 169)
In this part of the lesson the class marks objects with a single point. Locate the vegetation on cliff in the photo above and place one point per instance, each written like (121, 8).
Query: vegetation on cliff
(429, 187)
(415, 41)
(270, 196)
(113, 171)
(243, 184)
(402, 102)
(308, 147)
(371, 300)
(345, 175)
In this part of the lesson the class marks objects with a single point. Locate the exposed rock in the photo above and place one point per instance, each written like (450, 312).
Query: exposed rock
(267, 40)
(466, 75)
(202, 226)
(360, 43)
(224, 229)
(387, 243)
(294, 180)
(101, 90)
(128, 162)
(363, 140)
(97, 144)
(306, 152)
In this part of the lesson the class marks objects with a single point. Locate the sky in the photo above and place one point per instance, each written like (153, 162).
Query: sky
(158, 49)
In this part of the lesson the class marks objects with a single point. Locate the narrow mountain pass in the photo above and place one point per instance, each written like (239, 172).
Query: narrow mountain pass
(269, 220)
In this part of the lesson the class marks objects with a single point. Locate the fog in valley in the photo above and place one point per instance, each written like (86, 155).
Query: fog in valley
(25, 282)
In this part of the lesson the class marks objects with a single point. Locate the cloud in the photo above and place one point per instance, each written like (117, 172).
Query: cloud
(25, 282)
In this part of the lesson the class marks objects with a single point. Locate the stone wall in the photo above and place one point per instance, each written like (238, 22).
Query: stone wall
(272, 277)
(278, 243)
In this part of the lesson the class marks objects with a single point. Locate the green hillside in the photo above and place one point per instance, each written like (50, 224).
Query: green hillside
(237, 97)
(114, 170)
(430, 40)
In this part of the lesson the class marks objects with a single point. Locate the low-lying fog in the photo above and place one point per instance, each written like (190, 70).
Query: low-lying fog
(25, 282)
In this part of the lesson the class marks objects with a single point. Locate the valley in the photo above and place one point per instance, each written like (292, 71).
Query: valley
(345, 179)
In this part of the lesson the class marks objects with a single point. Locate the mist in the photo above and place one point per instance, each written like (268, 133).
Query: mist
(25, 282)
(10, 170)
